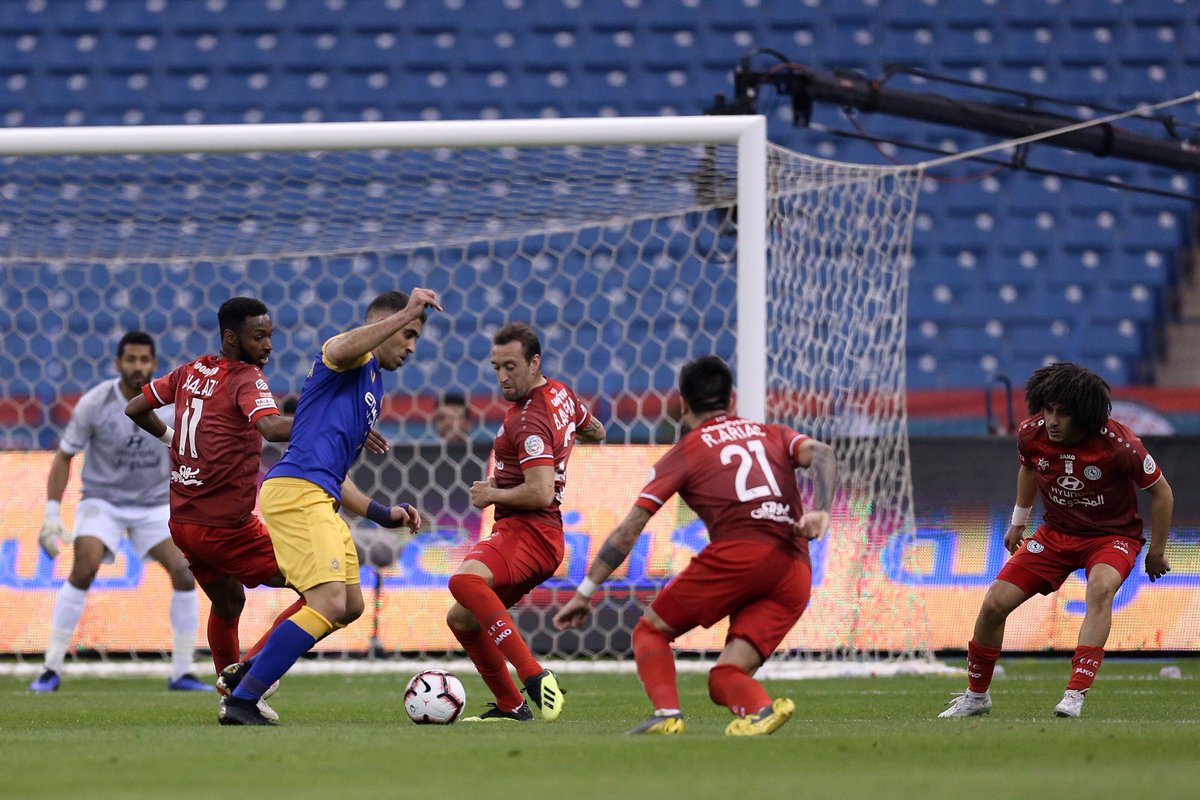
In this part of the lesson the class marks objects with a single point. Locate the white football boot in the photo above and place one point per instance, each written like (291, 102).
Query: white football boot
(969, 704)
(1071, 705)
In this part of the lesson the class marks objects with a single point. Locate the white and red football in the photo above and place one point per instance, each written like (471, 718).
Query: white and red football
(434, 697)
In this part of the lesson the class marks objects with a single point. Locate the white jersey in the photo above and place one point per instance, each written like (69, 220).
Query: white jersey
(123, 464)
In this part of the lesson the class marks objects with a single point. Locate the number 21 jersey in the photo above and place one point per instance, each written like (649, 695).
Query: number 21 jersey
(739, 476)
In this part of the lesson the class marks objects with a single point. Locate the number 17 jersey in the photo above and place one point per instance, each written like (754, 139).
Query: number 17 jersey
(216, 452)
(739, 476)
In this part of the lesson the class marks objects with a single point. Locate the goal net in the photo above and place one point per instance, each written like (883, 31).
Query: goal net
(630, 245)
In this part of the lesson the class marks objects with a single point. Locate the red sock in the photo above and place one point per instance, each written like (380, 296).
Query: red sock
(1084, 667)
(655, 665)
(981, 661)
(491, 665)
(223, 641)
(473, 594)
(730, 686)
(283, 615)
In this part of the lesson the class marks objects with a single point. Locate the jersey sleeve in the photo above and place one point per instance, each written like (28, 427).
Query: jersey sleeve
(253, 395)
(534, 441)
(161, 391)
(665, 479)
(1023, 447)
(582, 413)
(362, 360)
(793, 440)
(1142, 466)
(79, 429)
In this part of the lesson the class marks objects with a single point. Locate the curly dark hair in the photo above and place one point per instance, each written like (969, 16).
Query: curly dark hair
(1083, 394)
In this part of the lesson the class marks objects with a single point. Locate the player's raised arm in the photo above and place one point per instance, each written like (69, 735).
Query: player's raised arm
(347, 350)
(821, 462)
(1162, 506)
(1026, 491)
(612, 555)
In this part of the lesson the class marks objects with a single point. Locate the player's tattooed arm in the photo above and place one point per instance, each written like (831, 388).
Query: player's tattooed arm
(592, 431)
(611, 555)
(818, 457)
(824, 473)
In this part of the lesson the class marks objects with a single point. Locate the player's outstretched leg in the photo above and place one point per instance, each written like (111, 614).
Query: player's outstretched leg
(236, 711)
(669, 723)
(544, 691)
(231, 676)
(521, 713)
(969, 704)
(1071, 705)
(765, 721)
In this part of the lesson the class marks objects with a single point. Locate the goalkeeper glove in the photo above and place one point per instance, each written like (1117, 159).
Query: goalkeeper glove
(52, 529)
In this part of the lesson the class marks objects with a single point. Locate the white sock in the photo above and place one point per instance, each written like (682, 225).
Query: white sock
(68, 608)
(185, 620)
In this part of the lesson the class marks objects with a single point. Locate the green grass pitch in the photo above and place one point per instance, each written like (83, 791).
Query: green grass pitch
(346, 736)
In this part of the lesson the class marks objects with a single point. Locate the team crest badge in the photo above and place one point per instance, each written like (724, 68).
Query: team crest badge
(1034, 546)
(335, 565)
(1092, 472)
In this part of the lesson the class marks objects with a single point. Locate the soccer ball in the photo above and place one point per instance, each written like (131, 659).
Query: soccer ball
(434, 697)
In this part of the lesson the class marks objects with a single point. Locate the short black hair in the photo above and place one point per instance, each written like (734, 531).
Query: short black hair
(456, 399)
(389, 303)
(234, 312)
(135, 337)
(706, 383)
(520, 332)
(1083, 394)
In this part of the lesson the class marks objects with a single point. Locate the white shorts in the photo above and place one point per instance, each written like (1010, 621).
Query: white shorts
(145, 525)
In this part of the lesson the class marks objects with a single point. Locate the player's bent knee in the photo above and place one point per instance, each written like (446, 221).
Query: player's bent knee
(716, 675)
(461, 619)
(354, 610)
(463, 585)
(82, 575)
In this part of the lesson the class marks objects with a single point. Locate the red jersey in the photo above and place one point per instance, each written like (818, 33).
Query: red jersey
(538, 431)
(1088, 487)
(216, 451)
(739, 476)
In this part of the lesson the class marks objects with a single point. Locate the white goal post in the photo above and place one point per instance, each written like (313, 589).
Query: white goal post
(631, 244)
(748, 133)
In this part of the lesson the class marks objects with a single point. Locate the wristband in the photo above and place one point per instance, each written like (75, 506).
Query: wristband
(586, 588)
(167, 436)
(54, 508)
(382, 515)
(1020, 516)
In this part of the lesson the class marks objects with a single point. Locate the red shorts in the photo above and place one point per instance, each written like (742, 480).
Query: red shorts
(1047, 558)
(762, 590)
(521, 554)
(245, 553)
